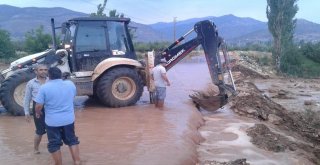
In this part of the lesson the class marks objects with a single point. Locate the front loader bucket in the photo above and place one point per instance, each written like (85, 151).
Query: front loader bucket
(209, 103)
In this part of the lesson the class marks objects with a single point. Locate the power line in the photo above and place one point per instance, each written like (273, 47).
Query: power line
(89, 2)
(158, 12)
(174, 28)
(136, 18)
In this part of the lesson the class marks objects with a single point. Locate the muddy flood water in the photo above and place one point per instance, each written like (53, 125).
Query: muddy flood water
(139, 134)
(144, 135)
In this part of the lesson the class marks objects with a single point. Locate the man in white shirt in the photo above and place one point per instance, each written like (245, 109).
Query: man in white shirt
(31, 92)
(161, 80)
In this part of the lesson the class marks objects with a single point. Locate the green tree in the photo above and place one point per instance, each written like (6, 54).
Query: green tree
(100, 10)
(37, 41)
(6, 47)
(281, 24)
(114, 13)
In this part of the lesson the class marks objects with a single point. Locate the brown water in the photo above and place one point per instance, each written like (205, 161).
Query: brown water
(139, 134)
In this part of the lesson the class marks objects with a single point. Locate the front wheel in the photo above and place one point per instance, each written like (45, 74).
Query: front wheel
(12, 91)
(119, 87)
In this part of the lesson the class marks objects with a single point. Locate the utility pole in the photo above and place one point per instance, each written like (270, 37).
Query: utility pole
(174, 28)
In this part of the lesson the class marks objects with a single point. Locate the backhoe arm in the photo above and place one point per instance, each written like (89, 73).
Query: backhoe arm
(207, 37)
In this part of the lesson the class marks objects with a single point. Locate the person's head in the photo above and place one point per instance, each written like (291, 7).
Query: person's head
(41, 70)
(55, 73)
(163, 62)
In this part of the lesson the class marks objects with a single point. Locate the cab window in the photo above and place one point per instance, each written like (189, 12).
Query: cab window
(90, 37)
(117, 38)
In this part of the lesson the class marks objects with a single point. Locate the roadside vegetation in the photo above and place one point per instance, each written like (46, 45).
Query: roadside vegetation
(301, 59)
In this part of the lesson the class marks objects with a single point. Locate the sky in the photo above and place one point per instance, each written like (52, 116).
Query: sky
(153, 11)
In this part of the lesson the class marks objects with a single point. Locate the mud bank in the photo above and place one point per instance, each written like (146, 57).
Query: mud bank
(258, 128)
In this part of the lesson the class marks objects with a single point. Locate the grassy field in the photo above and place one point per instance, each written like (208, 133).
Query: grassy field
(310, 68)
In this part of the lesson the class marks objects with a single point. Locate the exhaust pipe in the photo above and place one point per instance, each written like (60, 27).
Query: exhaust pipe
(54, 42)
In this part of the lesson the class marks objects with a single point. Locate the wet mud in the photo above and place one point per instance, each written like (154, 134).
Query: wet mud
(271, 121)
(283, 127)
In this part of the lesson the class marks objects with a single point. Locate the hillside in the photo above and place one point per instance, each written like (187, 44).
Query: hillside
(20, 20)
(229, 26)
(234, 29)
(241, 30)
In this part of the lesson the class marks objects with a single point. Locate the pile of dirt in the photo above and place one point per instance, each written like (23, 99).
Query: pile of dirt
(266, 139)
(251, 103)
(254, 105)
(263, 137)
(247, 72)
(235, 162)
(281, 130)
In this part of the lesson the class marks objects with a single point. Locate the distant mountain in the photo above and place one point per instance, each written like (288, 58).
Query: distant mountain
(229, 26)
(20, 20)
(307, 31)
(234, 29)
(240, 30)
(145, 33)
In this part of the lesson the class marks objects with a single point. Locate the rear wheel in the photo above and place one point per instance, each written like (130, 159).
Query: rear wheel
(12, 91)
(119, 87)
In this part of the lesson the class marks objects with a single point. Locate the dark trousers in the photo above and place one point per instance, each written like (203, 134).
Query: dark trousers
(39, 122)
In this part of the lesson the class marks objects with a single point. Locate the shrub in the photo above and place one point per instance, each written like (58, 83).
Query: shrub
(294, 62)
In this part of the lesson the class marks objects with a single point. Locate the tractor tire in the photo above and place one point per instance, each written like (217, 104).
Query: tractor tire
(119, 87)
(12, 91)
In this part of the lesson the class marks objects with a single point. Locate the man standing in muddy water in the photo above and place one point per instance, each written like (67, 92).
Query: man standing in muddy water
(159, 75)
(56, 96)
(31, 92)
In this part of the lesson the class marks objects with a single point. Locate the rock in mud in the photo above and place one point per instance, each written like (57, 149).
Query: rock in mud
(309, 102)
(282, 94)
(274, 119)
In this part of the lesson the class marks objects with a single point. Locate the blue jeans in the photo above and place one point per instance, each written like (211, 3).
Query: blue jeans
(160, 93)
(58, 134)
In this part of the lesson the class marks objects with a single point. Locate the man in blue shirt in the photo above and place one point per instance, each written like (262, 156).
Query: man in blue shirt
(56, 96)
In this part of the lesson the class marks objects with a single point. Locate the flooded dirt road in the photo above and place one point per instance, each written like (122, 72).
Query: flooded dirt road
(142, 134)
(135, 135)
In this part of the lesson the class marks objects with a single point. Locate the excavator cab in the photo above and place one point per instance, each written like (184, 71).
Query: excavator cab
(91, 40)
